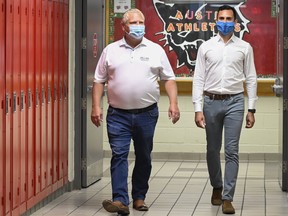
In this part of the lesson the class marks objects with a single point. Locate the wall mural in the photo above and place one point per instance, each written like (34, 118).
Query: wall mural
(187, 26)
(181, 28)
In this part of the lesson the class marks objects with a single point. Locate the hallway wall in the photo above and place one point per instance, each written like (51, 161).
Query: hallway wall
(185, 137)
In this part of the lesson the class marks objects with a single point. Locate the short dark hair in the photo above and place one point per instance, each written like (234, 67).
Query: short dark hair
(227, 7)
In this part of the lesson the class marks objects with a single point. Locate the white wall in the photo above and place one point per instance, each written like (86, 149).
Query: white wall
(185, 137)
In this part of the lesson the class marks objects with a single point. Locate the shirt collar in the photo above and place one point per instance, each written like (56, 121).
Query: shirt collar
(232, 39)
(123, 42)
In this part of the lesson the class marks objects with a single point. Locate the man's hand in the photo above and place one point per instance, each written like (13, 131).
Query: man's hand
(97, 116)
(174, 113)
(200, 119)
(250, 120)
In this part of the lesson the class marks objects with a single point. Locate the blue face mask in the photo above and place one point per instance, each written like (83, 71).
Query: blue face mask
(225, 27)
(137, 31)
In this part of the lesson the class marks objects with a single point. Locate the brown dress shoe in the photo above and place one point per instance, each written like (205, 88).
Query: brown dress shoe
(140, 205)
(227, 207)
(216, 198)
(115, 206)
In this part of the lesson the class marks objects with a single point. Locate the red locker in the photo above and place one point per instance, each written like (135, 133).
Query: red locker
(16, 121)
(49, 100)
(60, 75)
(65, 89)
(44, 69)
(2, 103)
(23, 105)
(8, 107)
(37, 118)
(55, 95)
(31, 106)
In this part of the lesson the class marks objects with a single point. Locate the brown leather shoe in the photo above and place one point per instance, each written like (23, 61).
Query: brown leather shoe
(115, 206)
(216, 198)
(140, 205)
(227, 207)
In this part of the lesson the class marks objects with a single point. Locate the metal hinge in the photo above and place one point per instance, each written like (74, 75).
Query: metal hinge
(84, 164)
(285, 104)
(84, 43)
(84, 103)
(285, 42)
(284, 166)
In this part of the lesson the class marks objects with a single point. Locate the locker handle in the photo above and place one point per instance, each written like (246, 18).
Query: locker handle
(65, 91)
(60, 92)
(37, 97)
(22, 100)
(49, 95)
(55, 94)
(14, 101)
(29, 98)
(7, 103)
(43, 95)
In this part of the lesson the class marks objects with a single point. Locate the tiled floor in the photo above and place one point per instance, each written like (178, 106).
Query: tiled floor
(180, 188)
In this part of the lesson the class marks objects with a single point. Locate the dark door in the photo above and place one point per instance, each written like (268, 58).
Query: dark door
(92, 137)
(281, 91)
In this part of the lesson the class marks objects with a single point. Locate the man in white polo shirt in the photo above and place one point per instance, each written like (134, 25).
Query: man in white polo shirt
(131, 67)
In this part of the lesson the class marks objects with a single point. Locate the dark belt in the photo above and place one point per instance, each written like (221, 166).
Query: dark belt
(219, 96)
(136, 111)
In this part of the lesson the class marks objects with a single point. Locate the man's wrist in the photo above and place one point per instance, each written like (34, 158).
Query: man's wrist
(252, 110)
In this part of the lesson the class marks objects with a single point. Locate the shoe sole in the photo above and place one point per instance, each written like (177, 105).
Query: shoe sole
(228, 212)
(110, 207)
(216, 202)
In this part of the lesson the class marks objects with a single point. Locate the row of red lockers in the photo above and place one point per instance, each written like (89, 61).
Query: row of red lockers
(34, 103)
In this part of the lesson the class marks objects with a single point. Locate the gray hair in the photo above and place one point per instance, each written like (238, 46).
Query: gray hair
(126, 15)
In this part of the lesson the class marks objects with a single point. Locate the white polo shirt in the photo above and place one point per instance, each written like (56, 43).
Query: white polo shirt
(132, 73)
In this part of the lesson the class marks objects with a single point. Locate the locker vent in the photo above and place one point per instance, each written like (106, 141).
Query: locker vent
(84, 43)
(84, 164)
(84, 103)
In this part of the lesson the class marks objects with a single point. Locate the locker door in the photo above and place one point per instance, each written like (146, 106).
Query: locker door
(2, 102)
(55, 97)
(8, 107)
(16, 172)
(92, 139)
(37, 112)
(65, 85)
(23, 105)
(61, 70)
(49, 102)
(31, 104)
(44, 68)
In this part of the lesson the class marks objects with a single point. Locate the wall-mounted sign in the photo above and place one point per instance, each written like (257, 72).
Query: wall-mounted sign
(120, 6)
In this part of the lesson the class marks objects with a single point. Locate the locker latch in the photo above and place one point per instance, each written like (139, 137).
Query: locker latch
(84, 103)
(49, 94)
(14, 101)
(7, 103)
(29, 98)
(22, 100)
(36, 97)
